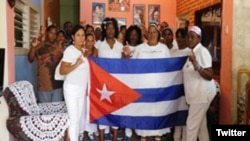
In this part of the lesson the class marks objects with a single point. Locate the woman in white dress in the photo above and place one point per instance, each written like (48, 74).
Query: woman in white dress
(109, 47)
(89, 129)
(133, 38)
(75, 67)
(168, 38)
(152, 49)
(181, 38)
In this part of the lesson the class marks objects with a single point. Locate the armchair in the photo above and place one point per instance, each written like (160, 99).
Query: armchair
(29, 120)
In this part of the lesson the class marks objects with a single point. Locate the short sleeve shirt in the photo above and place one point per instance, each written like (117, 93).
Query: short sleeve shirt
(145, 51)
(197, 89)
(48, 56)
(105, 51)
(80, 75)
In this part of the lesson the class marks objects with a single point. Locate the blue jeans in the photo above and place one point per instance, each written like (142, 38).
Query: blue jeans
(55, 95)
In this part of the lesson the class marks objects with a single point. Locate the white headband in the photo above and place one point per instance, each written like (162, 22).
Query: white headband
(196, 30)
(153, 25)
(97, 27)
(106, 23)
(168, 28)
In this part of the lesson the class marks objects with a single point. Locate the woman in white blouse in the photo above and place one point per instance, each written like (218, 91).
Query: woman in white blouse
(109, 47)
(75, 67)
(152, 49)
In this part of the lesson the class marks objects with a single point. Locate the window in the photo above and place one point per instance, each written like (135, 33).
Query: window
(26, 23)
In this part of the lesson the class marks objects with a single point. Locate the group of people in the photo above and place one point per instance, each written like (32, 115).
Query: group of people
(137, 42)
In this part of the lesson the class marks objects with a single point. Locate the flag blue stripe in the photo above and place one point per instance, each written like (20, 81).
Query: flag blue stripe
(131, 66)
(175, 119)
(161, 94)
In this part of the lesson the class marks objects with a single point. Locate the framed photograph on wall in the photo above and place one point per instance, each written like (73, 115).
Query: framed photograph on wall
(154, 13)
(98, 12)
(121, 21)
(139, 14)
(119, 5)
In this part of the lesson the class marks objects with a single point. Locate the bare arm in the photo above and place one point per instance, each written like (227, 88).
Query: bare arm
(35, 44)
(206, 73)
(67, 67)
(32, 52)
(95, 52)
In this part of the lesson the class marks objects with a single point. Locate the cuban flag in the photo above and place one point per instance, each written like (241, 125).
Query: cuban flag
(137, 93)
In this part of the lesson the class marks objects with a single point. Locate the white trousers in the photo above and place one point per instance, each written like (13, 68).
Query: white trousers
(197, 122)
(75, 106)
(86, 125)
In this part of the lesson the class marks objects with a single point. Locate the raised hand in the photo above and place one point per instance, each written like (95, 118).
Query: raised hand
(126, 50)
(35, 42)
(192, 58)
(42, 30)
(41, 33)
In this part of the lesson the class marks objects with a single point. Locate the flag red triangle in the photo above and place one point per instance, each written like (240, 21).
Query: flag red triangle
(122, 96)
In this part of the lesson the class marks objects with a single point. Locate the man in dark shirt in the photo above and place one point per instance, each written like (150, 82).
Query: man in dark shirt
(48, 54)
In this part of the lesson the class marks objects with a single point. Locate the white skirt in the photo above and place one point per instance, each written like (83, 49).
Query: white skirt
(158, 132)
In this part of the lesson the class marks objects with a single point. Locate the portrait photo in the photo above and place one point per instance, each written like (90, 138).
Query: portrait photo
(121, 21)
(154, 13)
(119, 5)
(98, 12)
(139, 14)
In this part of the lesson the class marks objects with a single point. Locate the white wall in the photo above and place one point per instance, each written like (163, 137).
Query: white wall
(3, 44)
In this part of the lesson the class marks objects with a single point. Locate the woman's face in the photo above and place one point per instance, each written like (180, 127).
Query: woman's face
(98, 32)
(120, 37)
(182, 42)
(168, 37)
(156, 15)
(89, 30)
(133, 37)
(79, 37)
(153, 34)
(90, 41)
(60, 37)
(51, 35)
(110, 31)
(193, 39)
(98, 12)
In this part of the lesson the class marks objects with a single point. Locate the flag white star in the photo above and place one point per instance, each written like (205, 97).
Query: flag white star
(105, 94)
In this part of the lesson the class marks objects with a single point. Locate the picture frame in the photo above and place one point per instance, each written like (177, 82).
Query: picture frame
(139, 14)
(98, 12)
(119, 5)
(154, 14)
(121, 21)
